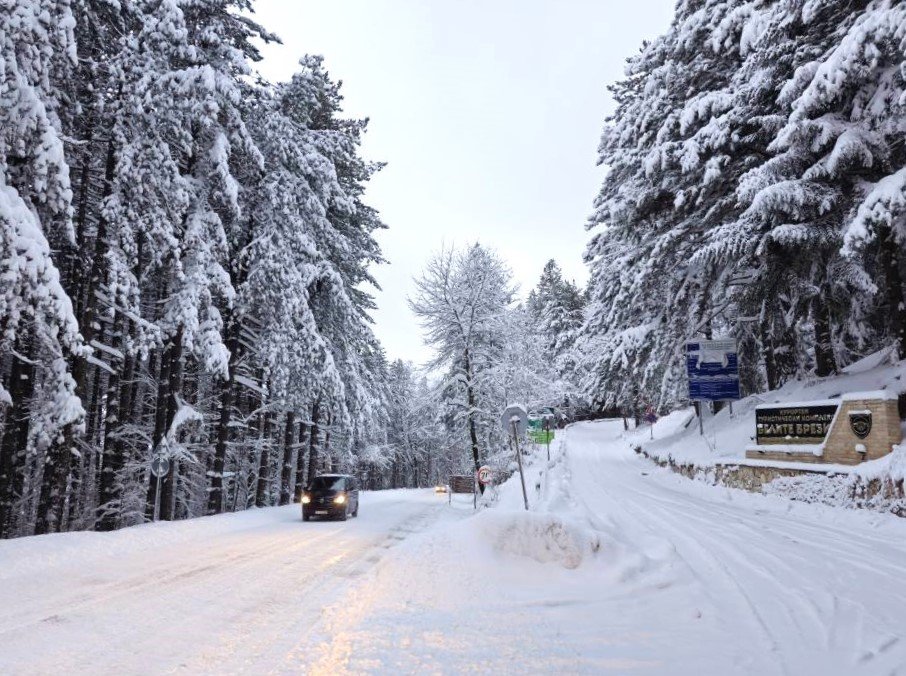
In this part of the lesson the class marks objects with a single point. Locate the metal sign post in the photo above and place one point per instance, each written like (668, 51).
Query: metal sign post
(651, 418)
(547, 426)
(160, 465)
(519, 460)
(515, 420)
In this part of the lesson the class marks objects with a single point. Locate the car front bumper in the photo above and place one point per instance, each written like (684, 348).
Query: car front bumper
(323, 510)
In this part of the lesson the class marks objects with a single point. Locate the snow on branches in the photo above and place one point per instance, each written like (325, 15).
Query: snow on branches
(754, 190)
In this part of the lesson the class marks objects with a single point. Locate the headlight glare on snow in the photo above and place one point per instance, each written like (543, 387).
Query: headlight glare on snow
(340, 499)
(306, 499)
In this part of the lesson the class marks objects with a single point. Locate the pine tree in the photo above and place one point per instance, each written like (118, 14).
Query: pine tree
(738, 156)
(39, 333)
(647, 293)
(140, 299)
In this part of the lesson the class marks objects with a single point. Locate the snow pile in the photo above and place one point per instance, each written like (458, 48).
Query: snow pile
(86, 549)
(876, 485)
(542, 537)
(556, 527)
(841, 490)
(891, 467)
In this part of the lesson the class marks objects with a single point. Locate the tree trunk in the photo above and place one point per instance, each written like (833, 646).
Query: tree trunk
(395, 473)
(58, 464)
(87, 319)
(168, 383)
(227, 395)
(328, 420)
(767, 353)
(168, 482)
(825, 364)
(890, 264)
(300, 463)
(53, 483)
(261, 492)
(286, 477)
(313, 443)
(111, 489)
(15, 438)
(160, 424)
(470, 402)
(215, 494)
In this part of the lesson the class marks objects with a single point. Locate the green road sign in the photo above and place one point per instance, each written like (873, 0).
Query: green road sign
(540, 436)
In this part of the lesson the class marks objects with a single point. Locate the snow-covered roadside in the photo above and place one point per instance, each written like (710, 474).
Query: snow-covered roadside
(621, 566)
(727, 434)
(675, 440)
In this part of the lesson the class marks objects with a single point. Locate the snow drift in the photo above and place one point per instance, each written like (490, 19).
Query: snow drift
(542, 537)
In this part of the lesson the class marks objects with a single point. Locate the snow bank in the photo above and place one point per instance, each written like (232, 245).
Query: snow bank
(555, 530)
(85, 550)
(877, 485)
(542, 537)
(842, 490)
(82, 549)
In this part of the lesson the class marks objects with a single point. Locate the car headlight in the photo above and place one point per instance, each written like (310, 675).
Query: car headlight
(340, 499)
(306, 499)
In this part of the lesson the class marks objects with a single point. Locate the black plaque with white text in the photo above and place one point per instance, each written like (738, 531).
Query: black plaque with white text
(793, 424)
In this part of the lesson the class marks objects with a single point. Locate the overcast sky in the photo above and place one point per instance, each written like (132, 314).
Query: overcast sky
(488, 114)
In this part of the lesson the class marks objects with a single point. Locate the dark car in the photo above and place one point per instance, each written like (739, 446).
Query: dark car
(331, 495)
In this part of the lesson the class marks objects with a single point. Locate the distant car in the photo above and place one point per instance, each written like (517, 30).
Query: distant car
(333, 496)
(440, 489)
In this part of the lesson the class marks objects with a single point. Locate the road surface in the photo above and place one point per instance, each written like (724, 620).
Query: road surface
(241, 593)
(620, 567)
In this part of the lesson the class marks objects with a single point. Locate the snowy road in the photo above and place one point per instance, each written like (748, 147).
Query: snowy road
(620, 568)
(240, 592)
(673, 577)
(778, 588)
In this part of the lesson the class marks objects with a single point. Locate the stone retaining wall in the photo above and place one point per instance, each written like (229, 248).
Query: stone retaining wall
(847, 490)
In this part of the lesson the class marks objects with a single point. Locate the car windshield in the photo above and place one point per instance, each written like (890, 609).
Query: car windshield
(328, 483)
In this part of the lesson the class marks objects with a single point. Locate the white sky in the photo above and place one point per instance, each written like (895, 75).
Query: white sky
(488, 113)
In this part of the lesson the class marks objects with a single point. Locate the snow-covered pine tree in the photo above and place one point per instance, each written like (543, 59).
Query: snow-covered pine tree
(38, 329)
(647, 294)
(735, 164)
(309, 231)
(191, 56)
(416, 440)
(557, 307)
(339, 298)
(841, 148)
(164, 252)
(800, 291)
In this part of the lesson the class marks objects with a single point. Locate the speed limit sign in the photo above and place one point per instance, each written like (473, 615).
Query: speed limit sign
(484, 475)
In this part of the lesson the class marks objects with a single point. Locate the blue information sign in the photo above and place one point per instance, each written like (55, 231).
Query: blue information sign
(713, 368)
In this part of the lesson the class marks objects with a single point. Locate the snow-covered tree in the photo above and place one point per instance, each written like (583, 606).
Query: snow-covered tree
(462, 298)
(38, 328)
(557, 309)
(184, 255)
(737, 158)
